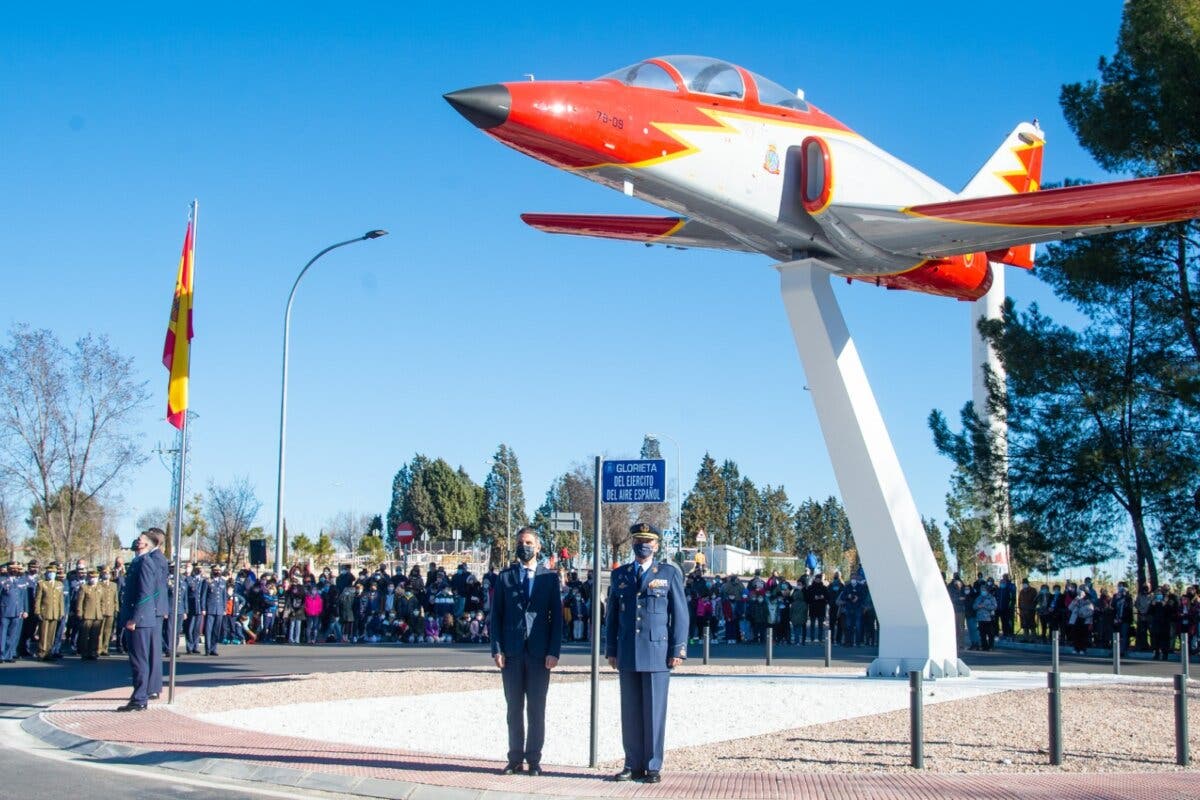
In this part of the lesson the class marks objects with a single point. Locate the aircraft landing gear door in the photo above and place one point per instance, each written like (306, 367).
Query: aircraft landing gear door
(816, 184)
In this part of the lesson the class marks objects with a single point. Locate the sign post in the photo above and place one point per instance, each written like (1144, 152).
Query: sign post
(597, 525)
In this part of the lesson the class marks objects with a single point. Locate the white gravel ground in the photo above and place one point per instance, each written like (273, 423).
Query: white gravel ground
(707, 706)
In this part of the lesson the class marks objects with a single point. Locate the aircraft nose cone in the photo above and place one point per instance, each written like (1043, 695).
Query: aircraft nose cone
(484, 106)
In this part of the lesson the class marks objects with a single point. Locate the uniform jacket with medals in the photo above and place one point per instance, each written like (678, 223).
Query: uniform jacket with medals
(512, 611)
(14, 599)
(144, 583)
(647, 620)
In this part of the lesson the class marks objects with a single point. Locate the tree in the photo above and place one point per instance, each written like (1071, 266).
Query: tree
(8, 531)
(375, 527)
(66, 419)
(372, 547)
(195, 526)
(746, 509)
(301, 546)
(232, 510)
(346, 528)
(776, 520)
(936, 543)
(503, 512)
(707, 506)
(323, 550)
(824, 529)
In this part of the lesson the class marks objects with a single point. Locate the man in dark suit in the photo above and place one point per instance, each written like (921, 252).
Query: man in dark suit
(646, 638)
(196, 597)
(526, 626)
(145, 605)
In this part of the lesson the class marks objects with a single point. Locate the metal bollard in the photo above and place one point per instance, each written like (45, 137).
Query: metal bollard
(1054, 651)
(1182, 756)
(1054, 684)
(770, 645)
(828, 647)
(1185, 656)
(706, 642)
(1116, 647)
(916, 718)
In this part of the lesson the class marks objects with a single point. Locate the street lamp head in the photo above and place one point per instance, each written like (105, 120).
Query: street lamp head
(374, 234)
(653, 436)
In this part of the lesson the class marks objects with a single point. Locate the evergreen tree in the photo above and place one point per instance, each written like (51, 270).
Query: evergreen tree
(776, 521)
(938, 545)
(657, 514)
(747, 505)
(499, 521)
(706, 506)
(731, 479)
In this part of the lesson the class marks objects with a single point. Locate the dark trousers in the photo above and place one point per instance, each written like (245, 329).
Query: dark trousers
(644, 718)
(1006, 622)
(29, 627)
(987, 633)
(193, 627)
(526, 682)
(214, 628)
(89, 638)
(145, 659)
(10, 635)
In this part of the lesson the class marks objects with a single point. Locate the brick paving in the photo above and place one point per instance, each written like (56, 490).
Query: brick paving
(341, 767)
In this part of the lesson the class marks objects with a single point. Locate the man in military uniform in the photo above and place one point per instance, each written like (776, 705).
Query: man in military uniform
(14, 610)
(196, 586)
(75, 580)
(48, 605)
(646, 638)
(144, 608)
(526, 627)
(32, 576)
(89, 608)
(177, 607)
(213, 611)
(110, 605)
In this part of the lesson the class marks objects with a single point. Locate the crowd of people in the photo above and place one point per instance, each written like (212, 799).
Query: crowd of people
(45, 613)
(1152, 620)
(734, 610)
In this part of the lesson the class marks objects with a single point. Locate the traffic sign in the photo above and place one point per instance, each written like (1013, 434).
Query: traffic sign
(456, 534)
(701, 537)
(405, 532)
(566, 521)
(634, 481)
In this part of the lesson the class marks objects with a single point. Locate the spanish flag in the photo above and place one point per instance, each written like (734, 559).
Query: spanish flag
(178, 346)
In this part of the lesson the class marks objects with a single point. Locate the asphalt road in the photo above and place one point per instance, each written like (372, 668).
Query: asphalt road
(38, 773)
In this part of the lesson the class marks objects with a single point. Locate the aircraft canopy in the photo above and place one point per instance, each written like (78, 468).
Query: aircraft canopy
(705, 76)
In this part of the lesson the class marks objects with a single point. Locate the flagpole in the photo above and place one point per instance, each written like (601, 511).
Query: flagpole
(179, 499)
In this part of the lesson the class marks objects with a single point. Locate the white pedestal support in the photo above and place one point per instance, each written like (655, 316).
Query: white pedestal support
(916, 620)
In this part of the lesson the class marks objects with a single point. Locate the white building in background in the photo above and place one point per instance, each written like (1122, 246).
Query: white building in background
(726, 559)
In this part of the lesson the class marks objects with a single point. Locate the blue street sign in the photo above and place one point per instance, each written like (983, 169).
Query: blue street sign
(634, 481)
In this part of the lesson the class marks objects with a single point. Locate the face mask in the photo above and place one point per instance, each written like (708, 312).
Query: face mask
(1158, 598)
(51, 575)
(643, 549)
(524, 553)
(91, 581)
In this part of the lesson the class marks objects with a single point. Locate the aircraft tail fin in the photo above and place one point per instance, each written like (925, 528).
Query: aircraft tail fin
(1015, 168)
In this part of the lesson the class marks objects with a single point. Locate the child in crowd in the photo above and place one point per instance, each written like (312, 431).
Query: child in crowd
(477, 626)
(447, 628)
(433, 631)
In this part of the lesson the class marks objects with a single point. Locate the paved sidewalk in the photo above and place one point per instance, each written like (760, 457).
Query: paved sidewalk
(160, 737)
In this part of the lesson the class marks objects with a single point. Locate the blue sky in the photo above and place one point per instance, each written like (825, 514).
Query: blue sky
(298, 125)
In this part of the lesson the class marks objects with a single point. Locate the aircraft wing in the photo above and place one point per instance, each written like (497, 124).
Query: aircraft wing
(671, 231)
(994, 224)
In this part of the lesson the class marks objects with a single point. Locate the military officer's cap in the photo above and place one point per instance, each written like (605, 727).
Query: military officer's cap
(33, 562)
(52, 565)
(644, 530)
(91, 573)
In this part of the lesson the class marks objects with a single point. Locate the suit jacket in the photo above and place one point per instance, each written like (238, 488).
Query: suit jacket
(215, 595)
(508, 622)
(141, 603)
(647, 619)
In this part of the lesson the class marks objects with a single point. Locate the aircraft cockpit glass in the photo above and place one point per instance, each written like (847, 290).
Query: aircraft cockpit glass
(772, 94)
(645, 75)
(708, 75)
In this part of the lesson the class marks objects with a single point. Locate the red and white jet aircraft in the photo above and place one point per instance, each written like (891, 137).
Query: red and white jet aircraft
(746, 165)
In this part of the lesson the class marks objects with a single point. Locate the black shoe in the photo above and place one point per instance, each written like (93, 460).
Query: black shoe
(132, 706)
(628, 774)
(512, 769)
(652, 776)
(535, 770)
(154, 696)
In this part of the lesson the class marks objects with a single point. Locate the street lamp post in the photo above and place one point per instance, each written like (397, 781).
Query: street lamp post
(287, 327)
(678, 481)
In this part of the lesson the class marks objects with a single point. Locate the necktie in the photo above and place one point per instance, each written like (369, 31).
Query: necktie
(528, 582)
(638, 570)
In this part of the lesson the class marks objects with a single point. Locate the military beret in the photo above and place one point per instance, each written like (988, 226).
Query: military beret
(644, 530)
